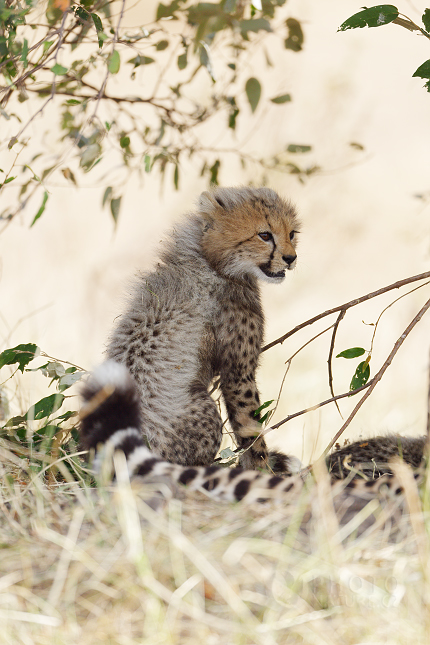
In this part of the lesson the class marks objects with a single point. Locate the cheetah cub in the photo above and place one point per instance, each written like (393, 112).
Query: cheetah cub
(198, 316)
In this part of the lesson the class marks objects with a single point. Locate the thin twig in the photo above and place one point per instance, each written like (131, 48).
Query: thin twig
(57, 50)
(114, 41)
(386, 308)
(288, 364)
(380, 374)
(347, 305)
(315, 407)
(330, 356)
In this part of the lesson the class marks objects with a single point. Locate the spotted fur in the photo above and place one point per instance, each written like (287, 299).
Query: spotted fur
(111, 420)
(198, 316)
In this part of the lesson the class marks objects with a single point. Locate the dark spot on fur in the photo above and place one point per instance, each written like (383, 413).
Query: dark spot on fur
(211, 483)
(274, 481)
(210, 470)
(241, 489)
(187, 476)
(248, 394)
(146, 467)
(242, 404)
(398, 490)
(235, 472)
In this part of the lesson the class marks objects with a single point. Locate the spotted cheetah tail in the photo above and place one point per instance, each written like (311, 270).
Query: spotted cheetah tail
(110, 412)
(282, 464)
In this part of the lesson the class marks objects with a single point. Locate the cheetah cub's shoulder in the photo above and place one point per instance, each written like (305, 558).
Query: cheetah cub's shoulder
(198, 316)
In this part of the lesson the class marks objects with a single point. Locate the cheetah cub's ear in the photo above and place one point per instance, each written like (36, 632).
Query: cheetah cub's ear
(208, 204)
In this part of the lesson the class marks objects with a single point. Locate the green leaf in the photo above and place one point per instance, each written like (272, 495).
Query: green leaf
(24, 53)
(97, 22)
(214, 172)
(59, 70)
(227, 453)
(259, 24)
(295, 38)
(67, 415)
(14, 422)
(82, 14)
(233, 114)
(101, 37)
(182, 60)
(124, 142)
(114, 62)
(253, 92)
(263, 407)
(423, 70)
(283, 98)
(381, 14)
(45, 407)
(166, 11)
(9, 179)
(353, 352)
(147, 162)
(89, 156)
(41, 209)
(107, 194)
(426, 19)
(21, 354)
(176, 177)
(162, 45)
(73, 102)
(68, 380)
(361, 376)
(46, 45)
(141, 60)
(294, 147)
(53, 370)
(115, 206)
(205, 60)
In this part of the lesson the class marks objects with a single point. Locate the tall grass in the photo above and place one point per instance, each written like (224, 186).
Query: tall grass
(102, 565)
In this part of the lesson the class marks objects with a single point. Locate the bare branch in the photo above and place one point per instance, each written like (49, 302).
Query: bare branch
(315, 407)
(347, 305)
(330, 355)
(380, 374)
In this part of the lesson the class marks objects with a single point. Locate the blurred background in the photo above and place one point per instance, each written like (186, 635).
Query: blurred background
(365, 214)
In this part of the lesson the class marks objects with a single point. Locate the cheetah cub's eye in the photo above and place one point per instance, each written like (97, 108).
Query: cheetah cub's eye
(292, 235)
(266, 236)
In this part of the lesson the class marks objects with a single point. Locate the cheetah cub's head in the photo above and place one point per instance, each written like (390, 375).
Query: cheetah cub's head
(249, 231)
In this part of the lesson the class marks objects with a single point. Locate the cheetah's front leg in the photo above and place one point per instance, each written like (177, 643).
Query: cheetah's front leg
(238, 360)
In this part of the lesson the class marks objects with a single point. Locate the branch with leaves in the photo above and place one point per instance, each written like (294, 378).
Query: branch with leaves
(189, 66)
(384, 14)
(360, 380)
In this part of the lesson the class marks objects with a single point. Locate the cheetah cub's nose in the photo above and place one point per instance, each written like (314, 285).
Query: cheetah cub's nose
(290, 260)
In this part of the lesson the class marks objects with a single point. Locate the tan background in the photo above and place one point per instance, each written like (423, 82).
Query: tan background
(61, 282)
